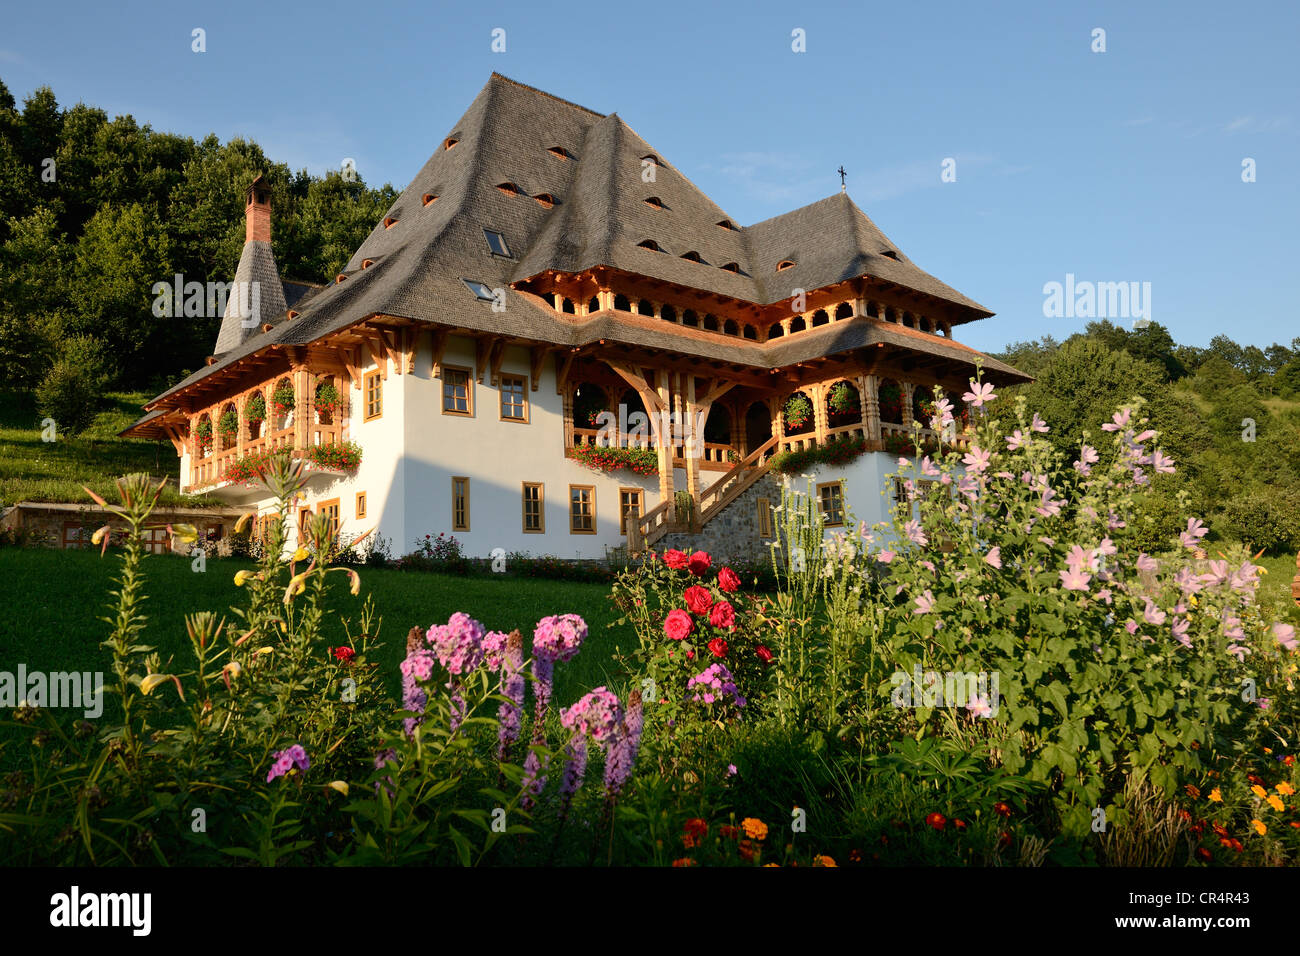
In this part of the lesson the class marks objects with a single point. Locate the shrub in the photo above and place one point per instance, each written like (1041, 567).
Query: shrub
(837, 451)
(1266, 521)
(72, 389)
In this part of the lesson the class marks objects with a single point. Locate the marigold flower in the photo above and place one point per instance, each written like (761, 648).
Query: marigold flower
(1002, 809)
(1215, 796)
(1276, 803)
(823, 860)
(684, 861)
(1259, 791)
(1259, 827)
(754, 829)
(1285, 789)
(936, 820)
(1204, 855)
(728, 832)
(693, 831)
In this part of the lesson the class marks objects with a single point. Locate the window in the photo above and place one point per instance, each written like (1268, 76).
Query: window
(559, 152)
(456, 392)
(390, 222)
(331, 510)
(654, 201)
(649, 244)
(510, 189)
(732, 267)
(890, 253)
(361, 504)
(304, 518)
(374, 385)
(480, 290)
(728, 225)
(497, 243)
(449, 143)
(693, 256)
(534, 518)
(429, 199)
(514, 405)
(545, 200)
(830, 496)
(582, 509)
(764, 518)
(629, 504)
(459, 504)
(784, 264)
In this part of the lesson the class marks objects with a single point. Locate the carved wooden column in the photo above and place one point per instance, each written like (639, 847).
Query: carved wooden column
(568, 418)
(907, 388)
(663, 438)
(303, 407)
(694, 444)
(869, 392)
(240, 405)
(820, 418)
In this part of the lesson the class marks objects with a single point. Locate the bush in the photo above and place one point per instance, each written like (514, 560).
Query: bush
(1267, 520)
(72, 389)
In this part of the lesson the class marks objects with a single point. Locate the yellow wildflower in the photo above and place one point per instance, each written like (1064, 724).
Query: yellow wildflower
(1285, 789)
(1259, 791)
(1259, 827)
(754, 829)
(1215, 796)
(241, 577)
(340, 785)
(1275, 802)
(301, 554)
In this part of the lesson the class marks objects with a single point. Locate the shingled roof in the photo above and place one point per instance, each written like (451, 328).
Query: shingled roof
(589, 169)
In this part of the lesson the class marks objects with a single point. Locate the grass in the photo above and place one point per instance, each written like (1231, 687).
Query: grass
(35, 470)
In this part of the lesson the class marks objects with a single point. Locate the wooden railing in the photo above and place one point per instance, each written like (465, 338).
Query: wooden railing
(207, 470)
(595, 438)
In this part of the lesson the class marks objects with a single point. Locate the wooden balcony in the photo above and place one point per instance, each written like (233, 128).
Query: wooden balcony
(716, 456)
(206, 470)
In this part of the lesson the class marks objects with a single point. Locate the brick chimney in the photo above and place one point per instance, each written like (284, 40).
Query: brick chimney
(257, 212)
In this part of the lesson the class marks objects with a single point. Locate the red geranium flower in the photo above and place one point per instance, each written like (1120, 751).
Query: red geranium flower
(698, 563)
(936, 820)
(345, 654)
(675, 559)
(723, 616)
(678, 624)
(694, 831)
(698, 599)
(728, 580)
(763, 653)
(1002, 809)
(718, 647)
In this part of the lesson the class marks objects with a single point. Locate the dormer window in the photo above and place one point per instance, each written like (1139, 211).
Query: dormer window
(891, 254)
(481, 291)
(497, 243)
(733, 267)
(292, 315)
(367, 263)
(545, 200)
(649, 244)
(510, 189)
(449, 142)
(560, 152)
(694, 256)
(339, 278)
(390, 222)
(429, 199)
(728, 225)
(784, 264)
(655, 202)
(650, 158)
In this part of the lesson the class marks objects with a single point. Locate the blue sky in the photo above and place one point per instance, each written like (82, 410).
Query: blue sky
(1117, 166)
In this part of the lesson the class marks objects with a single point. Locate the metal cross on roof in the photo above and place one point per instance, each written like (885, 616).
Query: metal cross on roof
(842, 175)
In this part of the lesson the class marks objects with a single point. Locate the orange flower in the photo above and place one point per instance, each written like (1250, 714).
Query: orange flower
(1002, 809)
(754, 829)
(1289, 760)
(1285, 789)
(728, 832)
(823, 860)
(684, 861)
(1259, 791)
(1275, 802)
(1215, 796)
(1259, 827)
(1220, 829)
(694, 831)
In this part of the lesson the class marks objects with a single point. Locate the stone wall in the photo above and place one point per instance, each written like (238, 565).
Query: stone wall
(733, 534)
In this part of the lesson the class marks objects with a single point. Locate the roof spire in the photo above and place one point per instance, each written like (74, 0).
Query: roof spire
(843, 187)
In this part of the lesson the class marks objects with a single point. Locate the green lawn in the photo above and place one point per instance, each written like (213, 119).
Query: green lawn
(53, 600)
(35, 470)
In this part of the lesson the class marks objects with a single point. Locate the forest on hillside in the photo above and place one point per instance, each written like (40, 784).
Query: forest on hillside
(126, 206)
(94, 211)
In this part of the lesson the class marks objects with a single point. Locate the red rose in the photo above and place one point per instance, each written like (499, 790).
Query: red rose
(723, 616)
(675, 559)
(678, 624)
(698, 599)
(345, 654)
(936, 820)
(728, 580)
(763, 653)
(718, 647)
(698, 563)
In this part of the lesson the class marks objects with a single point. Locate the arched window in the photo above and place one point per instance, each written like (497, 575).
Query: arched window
(510, 189)
(593, 304)
(568, 308)
(798, 414)
(655, 202)
(622, 304)
(710, 323)
(367, 263)
(649, 244)
(891, 314)
(797, 324)
(559, 152)
(545, 200)
(694, 256)
(390, 222)
(731, 327)
(690, 318)
(227, 427)
(728, 225)
(820, 318)
(776, 331)
(750, 333)
(644, 307)
(784, 264)
(843, 404)
(844, 310)
(429, 199)
(448, 143)
(922, 405)
(550, 298)
(668, 314)
(733, 267)
(891, 401)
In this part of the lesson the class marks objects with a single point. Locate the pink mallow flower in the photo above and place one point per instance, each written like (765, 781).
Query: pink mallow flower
(977, 459)
(1285, 634)
(1195, 532)
(1118, 420)
(1075, 580)
(1087, 458)
(994, 558)
(1038, 425)
(925, 603)
(980, 392)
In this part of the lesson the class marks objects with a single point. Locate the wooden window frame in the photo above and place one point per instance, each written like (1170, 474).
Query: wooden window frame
(541, 506)
(640, 507)
(337, 505)
(765, 531)
(469, 391)
(304, 514)
(454, 526)
(360, 507)
(378, 378)
(592, 490)
(831, 484)
(501, 402)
